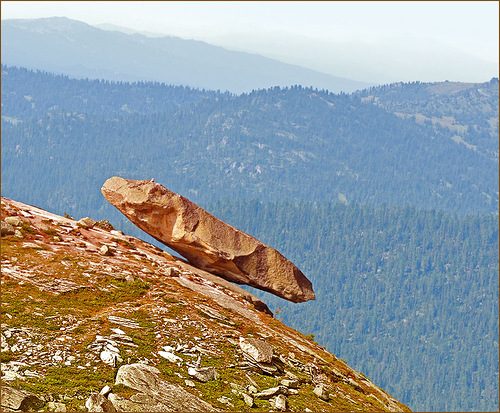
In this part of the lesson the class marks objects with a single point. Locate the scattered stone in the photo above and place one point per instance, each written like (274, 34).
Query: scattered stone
(170, 356)
(252, 389)
(280, 403)
(14, 399)
(292, 384)
(98, 403)
(56, 407)
(307, 410)
(247, 399)
(86, 223)
(271, 392)
(14, 221)
(110, 358)
(172, 272)
(205, 241)
(189, 383)
(124, 322)
(259, 350)
(321, 392)
(118, 331)
(105, 250)
(6, 229)
(225, 400)
(203, 374)
(18, 234)
(105, 391)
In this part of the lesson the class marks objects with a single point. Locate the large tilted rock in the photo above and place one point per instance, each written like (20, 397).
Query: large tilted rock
(205, 241)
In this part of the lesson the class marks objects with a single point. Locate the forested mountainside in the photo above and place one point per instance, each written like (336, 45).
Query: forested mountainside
(62, 137)
(75, 48)
(469, 110)
(408, 297)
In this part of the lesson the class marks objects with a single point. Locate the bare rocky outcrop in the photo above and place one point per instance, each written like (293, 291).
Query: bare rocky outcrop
(18, 400)
(146, 379)
(205, 241)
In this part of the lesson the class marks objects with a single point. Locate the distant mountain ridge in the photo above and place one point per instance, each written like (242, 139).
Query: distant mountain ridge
(468, 110)
(264, 145)
(71, 47)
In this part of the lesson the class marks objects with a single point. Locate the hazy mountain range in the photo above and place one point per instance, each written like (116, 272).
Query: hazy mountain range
(62, 45)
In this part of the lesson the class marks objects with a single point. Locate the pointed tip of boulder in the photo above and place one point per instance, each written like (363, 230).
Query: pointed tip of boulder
(204, 240)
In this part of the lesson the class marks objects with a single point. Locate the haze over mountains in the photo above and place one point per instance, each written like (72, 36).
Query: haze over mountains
(75, 48)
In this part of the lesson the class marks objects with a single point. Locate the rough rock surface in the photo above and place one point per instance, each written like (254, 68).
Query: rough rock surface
(205, 241)
(13, 399)
(259, 350)
(146, 379)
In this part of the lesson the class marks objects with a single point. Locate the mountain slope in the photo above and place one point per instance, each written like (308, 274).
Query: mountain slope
(75, 317)
(72, 47)
(468, 110)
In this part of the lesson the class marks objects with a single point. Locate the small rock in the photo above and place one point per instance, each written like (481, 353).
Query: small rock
(98, 403)
(117, 233)
(110, 358)
(170, 356)
(189, 383)
(6, 229)
(320, 391)
(203, 374)
(18, 234)
(225, 400)
(112, 348)
(14, 221)
(271, 392)
(105, 250)
(172, 272)
(56, 238)
(129, 278)
(170, 349)
(293, 391)
(308, 410)
(86, 223)
(280, 403)
(293, 384)
(118, 331)
(57, 358)
(19, 400)
(259, 350)
(247, 399)
(56, 407)
(252, 389)
(105, 391)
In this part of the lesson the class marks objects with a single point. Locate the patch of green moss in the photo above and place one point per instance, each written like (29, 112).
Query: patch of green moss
(75, 384)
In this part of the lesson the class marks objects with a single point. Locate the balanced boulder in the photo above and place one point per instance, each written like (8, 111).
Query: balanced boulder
(205, 241)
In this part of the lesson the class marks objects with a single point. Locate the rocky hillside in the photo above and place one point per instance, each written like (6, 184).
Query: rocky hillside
(95, 319)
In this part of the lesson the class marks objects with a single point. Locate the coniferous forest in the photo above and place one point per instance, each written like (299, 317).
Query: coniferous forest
(388, 206)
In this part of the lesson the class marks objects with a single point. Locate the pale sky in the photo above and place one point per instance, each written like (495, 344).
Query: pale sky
(467, 28)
